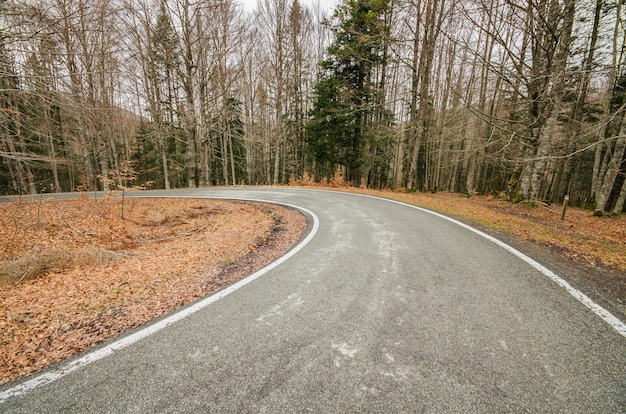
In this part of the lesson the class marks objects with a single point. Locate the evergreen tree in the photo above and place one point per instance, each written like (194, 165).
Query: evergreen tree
(347, 103)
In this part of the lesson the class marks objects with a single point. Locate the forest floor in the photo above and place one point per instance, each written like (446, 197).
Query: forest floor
(74, 273)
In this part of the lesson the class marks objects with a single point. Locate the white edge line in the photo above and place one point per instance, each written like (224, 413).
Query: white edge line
(607, 316)
(122, 343)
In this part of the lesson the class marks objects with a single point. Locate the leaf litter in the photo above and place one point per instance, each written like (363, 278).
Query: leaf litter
(74, 273)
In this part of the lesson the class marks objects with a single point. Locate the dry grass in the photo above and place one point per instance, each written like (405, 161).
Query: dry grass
(37, 263)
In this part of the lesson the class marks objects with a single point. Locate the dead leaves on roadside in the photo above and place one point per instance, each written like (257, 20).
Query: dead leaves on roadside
(100, 275)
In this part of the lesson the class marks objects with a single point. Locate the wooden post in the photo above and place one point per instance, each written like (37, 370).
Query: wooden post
(565, 201)
(124, 193)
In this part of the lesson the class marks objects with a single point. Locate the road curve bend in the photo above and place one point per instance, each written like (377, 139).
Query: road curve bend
(385, 308)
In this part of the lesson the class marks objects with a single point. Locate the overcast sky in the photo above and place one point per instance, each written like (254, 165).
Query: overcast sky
(327, 5)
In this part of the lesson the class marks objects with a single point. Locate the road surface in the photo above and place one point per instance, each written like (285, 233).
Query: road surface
(386, 309)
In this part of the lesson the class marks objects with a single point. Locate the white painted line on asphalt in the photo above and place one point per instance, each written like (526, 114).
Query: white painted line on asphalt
(607, 316)
(63, 370)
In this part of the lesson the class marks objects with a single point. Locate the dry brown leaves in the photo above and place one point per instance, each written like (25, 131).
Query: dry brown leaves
(104, 275)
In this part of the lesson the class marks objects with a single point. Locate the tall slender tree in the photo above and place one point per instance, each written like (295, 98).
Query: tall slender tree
(347, 96)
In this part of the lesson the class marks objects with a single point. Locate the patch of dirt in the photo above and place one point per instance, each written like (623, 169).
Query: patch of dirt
(74, 273)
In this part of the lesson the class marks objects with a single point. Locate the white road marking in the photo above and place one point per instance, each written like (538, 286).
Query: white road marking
(607, 316)
(122, 343)
(64, 370)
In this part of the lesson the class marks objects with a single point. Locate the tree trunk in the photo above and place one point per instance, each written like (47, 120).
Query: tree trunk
(30, 178)
(166, 174)
(597, 166)
(225, 158)
(232, 160)
(539, 164)
(619, 205)
(276, 163)
(413, 134)
(613, 167)
(52, 153)
(18, 174)
(191, 145)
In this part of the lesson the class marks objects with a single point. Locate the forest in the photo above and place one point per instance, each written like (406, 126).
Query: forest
(521, 99)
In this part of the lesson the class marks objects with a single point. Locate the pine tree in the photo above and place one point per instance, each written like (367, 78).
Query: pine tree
(347, 98)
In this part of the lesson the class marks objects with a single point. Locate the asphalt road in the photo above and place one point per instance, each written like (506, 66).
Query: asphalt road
(386, 309)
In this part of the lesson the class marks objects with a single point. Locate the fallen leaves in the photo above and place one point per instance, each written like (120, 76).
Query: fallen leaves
(117, 274)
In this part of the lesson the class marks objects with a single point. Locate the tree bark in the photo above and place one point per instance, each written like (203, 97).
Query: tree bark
(612, 170)
(619, 204)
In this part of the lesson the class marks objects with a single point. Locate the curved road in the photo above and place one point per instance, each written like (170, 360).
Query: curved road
(386, 309)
